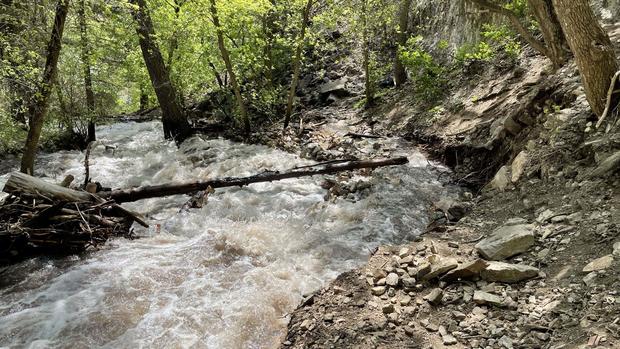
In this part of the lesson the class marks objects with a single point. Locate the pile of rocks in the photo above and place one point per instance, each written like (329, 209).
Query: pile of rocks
(412, 283)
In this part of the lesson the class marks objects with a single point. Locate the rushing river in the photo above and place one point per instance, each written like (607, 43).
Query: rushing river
(224, 276)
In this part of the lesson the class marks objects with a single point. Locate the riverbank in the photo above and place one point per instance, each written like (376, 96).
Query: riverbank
(523, 140)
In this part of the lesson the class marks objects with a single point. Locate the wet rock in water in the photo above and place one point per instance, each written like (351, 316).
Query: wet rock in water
(508, 273)
(441, 267)
(599, 264)
(391, 279)
(507, 241)
(435, 296)
(481, 297)
(465, 271)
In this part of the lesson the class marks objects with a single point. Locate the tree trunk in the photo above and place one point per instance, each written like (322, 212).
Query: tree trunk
(233, 77)
(297, 62)
(40, 102)
(369, 91)
(134, 194)
(174, 119)
(552, 31)
(400, 74)
(592, 48)
(88, 80)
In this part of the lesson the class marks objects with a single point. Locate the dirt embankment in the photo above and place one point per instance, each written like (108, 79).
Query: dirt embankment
(530, 260)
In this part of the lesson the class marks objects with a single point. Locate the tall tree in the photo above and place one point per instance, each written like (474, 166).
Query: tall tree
(400, 74)
(594, 52)
(86, 66)
(368, 85)
(40, 102)
(174, 119)
(305, 19)
(554, 40)
(229, 67)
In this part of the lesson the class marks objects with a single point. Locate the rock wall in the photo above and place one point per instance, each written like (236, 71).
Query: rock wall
(460, 22)
(607, 10)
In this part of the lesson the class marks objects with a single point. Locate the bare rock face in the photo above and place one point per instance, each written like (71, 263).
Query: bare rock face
(507, 241)
(508, 273)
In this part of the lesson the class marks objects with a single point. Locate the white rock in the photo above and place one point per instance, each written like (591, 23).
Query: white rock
(599, 264)
(617, 249)
(507, 241)
(392, 279)
(509, 273)
(518, 166)
(501, 179)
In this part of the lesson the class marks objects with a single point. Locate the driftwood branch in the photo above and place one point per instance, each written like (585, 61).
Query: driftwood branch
(134, 194)
(610, 98)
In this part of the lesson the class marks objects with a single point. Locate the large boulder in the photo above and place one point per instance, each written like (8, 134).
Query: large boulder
(336, 89)
(508, 273)
(507, 241)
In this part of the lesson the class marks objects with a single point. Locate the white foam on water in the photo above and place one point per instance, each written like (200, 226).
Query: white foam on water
(223, 276)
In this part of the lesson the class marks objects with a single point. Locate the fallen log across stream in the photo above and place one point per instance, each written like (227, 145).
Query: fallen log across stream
(40, 217)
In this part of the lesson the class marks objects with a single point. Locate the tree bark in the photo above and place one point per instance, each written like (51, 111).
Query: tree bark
(368, 88)
(233, 77)
(86, 63)
(40, 102)
(400, 74)
(174, 119)
(594, 52)
(297, 62)
(555, 40)
(135, 194)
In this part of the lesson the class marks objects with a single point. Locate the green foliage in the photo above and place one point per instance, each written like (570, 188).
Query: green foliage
(427, 75)
(496, 39)
(519, 7)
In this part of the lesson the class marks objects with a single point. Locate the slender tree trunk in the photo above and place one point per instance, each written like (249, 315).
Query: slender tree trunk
(400, 74)
(174, 119)
(369, 90)
(297, 62)
(551, 29)
(88, 80)
(268, 28)
(592, 48)
(233, 78)
(40, 102)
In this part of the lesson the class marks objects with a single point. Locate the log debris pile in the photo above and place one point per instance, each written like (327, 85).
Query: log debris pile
(44, 218)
